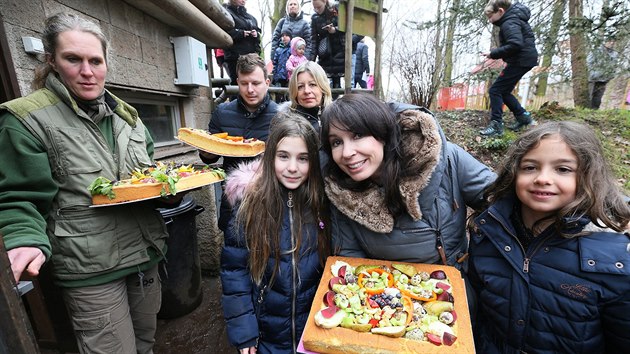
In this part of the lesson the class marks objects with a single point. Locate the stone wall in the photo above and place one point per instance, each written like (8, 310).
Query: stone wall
(140, 57)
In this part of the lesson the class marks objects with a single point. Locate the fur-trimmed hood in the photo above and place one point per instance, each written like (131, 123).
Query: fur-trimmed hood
(422, 139)
(239, 179)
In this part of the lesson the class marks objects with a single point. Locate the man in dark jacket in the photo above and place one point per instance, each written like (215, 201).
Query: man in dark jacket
(246, 36)
(247, 116)
(518, 50)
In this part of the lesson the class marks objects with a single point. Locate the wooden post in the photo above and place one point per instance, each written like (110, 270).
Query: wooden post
(348, 74)
(16, 333)
(378, 40)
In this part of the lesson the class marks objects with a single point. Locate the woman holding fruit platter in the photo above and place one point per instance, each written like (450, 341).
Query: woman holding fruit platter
(399, 190)
(54, 143)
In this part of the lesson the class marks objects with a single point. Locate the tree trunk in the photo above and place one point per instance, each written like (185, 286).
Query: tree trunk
(550, 46)
(579, 74)
(279, 10)
(450, 34)
(435, 81)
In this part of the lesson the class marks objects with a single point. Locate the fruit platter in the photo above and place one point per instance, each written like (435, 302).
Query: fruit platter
(375, 306)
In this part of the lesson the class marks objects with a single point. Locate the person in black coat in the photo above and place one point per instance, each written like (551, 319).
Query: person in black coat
(246, 36)
(328, 42)
(518, 50)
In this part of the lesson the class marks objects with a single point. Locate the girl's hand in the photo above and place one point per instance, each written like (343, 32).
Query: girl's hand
(250, 350)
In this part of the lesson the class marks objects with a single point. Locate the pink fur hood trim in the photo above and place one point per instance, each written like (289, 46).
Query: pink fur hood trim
(239, 179)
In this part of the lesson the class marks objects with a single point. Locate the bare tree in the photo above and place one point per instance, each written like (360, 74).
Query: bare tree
(454, 11)
(549, 46)
(578, 25)
(415, 63)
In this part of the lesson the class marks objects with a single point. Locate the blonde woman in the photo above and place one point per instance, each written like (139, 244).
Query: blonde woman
(309, 92)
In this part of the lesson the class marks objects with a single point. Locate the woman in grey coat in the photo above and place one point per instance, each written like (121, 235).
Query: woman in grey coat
(398, 188)
(293, 22)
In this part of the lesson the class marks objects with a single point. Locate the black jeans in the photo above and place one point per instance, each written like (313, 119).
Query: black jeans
(501, 92)
(597, 92)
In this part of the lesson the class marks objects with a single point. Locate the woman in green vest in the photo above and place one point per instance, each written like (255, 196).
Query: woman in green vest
(53, 144)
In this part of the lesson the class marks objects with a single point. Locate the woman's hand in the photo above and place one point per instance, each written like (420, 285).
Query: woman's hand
(330, 28)
(250, 350)
(30, 259)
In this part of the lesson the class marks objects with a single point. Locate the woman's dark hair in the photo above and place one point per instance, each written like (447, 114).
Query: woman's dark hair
(365, 115)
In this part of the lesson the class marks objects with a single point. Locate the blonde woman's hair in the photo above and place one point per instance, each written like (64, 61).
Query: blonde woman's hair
(320, 77)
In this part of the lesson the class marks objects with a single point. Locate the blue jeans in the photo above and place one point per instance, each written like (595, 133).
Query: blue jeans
(501, 92)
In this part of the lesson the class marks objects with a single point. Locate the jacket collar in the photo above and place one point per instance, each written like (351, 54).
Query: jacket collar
(120, 107)
(261, 108)
(422, 141)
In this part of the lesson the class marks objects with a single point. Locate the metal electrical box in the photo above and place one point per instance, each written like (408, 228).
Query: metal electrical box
(191, 61)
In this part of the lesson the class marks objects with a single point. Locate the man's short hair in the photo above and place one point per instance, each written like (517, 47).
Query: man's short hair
(494, 5)
(247, 63)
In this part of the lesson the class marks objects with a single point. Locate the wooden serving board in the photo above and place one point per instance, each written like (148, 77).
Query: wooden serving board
(131, 193)
(347, 341)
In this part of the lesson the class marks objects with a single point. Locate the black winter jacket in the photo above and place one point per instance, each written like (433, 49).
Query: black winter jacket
(242, 45)
(331, 56)
(517, 42)
(561, 295)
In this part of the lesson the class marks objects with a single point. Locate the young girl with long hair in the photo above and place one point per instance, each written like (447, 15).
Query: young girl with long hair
(277, 242)
(549, 261)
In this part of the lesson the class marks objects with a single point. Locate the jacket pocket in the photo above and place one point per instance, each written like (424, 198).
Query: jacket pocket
(86, 245)
(74, 151)
(137, 149)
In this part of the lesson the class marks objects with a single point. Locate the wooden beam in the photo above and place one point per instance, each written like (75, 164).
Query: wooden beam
(378, 40)
(16, 333)
(348, 74)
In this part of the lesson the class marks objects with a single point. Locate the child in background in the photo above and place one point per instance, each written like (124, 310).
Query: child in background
(518, 50)
(298, 46)
(280, 57)
(277, 242)
(548, 259)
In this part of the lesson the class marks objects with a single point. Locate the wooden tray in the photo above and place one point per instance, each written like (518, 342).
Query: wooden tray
(347, 341)
(154, 190)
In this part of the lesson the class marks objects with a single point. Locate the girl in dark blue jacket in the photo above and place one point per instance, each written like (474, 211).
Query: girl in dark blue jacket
(548, 261)
(277, 242)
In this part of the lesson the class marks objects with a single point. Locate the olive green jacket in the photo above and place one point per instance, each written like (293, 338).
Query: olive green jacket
(52, 152)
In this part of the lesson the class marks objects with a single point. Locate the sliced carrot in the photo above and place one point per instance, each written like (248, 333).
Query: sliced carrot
(408, 306)
(390, 281)
(234, 138)
(416, 297)
(221, 135)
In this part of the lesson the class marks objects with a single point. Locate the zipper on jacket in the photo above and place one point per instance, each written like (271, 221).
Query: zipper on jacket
(526, 258)
(294, 276)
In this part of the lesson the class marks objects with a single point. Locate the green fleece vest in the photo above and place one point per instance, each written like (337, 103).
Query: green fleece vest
(90, 242)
